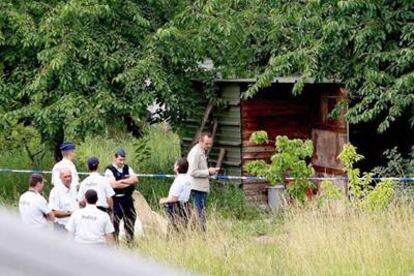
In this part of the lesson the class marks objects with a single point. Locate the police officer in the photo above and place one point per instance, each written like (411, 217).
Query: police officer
(100, 184)
(61, 201)
(123, 180)
(33, 208)
(90, 225)
(68, 153)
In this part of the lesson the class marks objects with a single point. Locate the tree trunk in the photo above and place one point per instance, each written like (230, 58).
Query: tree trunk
(57, 141)
(133, 127)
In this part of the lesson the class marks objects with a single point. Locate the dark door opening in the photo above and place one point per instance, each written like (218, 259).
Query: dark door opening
(372, 144)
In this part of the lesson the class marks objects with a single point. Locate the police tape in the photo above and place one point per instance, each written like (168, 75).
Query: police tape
(226, 177)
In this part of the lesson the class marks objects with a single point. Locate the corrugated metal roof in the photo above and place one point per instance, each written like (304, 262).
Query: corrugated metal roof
(292, 79)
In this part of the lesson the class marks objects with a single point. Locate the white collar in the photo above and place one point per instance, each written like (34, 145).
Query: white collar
(90, 206)
(33, 191)
(116, 167)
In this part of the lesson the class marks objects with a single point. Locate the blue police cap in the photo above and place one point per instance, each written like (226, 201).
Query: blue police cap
(67, 146)
(93, 161)
(120, 152)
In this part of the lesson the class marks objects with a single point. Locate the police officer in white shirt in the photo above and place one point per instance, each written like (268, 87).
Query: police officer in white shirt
(68, 153)
(33, 206)
(100, 184)
(61, 201)
(90, 225)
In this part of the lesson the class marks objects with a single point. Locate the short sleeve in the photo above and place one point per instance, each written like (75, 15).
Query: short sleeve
(70, 225)
(109, 174)
(176, 188)
(81, 193)
(42, 205)
(75, 175)
(109, 228)
(54, 199)
(131, 171)
(55, 176)
(108, 189)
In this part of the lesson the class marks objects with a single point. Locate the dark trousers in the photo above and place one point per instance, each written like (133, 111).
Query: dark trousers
(124, 209)
(199, 200)
(178, 214)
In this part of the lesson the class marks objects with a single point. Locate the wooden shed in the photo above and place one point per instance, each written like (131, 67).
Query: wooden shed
(275, 110)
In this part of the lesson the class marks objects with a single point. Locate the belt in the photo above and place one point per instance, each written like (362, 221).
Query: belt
(105, 209)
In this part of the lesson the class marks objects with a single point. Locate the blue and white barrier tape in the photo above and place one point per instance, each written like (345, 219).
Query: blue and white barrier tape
(221, 177)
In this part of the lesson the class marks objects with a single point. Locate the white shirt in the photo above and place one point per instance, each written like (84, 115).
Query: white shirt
(33, 209)
(181, 188)
(110, 174)
(98, 183)
(61, 199)
(90, 225)
(57, 182)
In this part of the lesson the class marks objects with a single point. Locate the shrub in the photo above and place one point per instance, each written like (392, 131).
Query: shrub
(288, 160)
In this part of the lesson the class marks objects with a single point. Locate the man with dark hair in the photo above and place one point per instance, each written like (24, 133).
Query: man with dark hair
(176, 204)
(68, 153)
(33, 206)
(61, 201)
(98, 183)
(199, 173)
(90, 225)
(123, 180)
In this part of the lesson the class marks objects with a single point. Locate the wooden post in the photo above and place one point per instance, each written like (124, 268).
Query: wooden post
(207, 112)
(220, 158)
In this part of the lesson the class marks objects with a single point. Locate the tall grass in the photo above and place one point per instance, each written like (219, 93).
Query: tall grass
(347, 242)
(313, 241)
(14, 184)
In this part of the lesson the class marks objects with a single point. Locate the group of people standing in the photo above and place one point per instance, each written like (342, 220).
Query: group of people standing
(93, 209)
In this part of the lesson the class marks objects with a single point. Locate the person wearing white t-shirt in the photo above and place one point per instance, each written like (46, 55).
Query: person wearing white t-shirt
(68, 153)
(90, 225)
(176, 203)
(33, 208)
(61, 200)
(100, 184)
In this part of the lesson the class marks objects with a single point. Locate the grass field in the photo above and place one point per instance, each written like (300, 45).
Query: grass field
(333, 241)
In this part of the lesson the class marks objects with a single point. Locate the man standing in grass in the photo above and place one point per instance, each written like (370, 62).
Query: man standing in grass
(123, 180)
(199, 173)
(61, 201)
(33, 206)
(98, 183)
(90, 225)
(68, 153)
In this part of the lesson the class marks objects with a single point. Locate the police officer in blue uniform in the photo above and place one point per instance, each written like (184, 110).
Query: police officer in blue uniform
(123, 181)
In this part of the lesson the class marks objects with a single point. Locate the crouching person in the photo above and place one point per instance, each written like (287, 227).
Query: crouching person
(90, 225)
(176, 204)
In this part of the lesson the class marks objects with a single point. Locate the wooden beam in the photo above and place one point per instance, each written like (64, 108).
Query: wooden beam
(207, 113)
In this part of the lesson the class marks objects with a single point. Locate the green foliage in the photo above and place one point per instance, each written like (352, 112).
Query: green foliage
(363, 195)
(365, 45)
(20, 137)
(358, 186)
(330, 192)
(399, 164)
(259, 137)
(380, 197)
(229, 200)
(288, 160)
